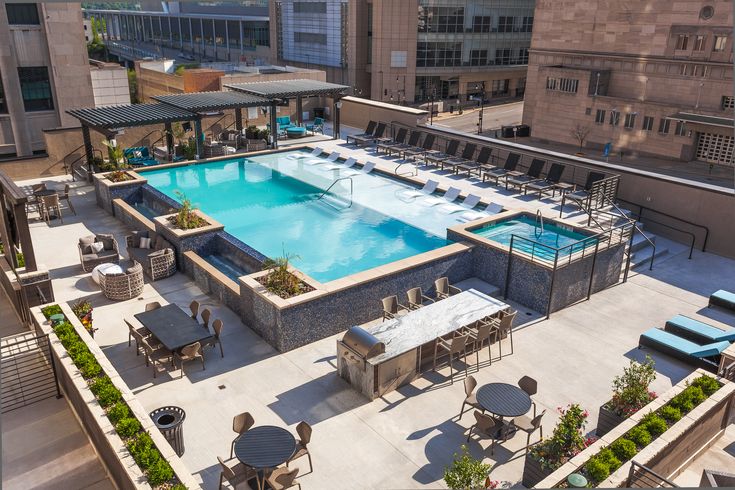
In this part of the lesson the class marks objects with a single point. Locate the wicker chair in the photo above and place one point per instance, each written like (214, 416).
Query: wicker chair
(125, 285)
(158, 261)
(91, 258)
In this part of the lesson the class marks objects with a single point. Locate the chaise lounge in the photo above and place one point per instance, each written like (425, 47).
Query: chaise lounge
(705, 356)
(723, 299)
(156, 254)
(696, 331)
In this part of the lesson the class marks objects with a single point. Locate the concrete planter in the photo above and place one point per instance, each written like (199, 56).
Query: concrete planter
(185, 240)
(106, 190)
(118, 461)
(607, 420)
(672, 451)
(533, 472)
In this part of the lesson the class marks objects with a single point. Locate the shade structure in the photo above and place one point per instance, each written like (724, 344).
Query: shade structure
(212, 101)
(286, 89)
(129, 115)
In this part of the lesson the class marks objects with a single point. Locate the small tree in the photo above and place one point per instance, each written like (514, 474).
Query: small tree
(580, 134)
(466, 472)
(115, 153)
(630, 390)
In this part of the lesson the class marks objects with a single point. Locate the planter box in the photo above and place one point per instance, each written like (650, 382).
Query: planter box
(533, 472)
(185, 240)
(607, 421)
(106, 190)
(110, 448)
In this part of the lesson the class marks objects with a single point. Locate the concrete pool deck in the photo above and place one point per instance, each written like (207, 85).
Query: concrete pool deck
(405, 439)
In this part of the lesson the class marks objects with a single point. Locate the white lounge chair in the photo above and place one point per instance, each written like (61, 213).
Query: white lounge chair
(336, 166)
(331, 158)
(314, 153)
(469, 203)
(450, 196)
(427, 189)
(492, 208)
(366, 169)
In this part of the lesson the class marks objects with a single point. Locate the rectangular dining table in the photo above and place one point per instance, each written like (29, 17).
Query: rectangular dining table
(173, 327)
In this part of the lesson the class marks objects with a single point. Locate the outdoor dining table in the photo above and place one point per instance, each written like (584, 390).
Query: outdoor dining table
(263, 448)
(503, 400)
(173, 327)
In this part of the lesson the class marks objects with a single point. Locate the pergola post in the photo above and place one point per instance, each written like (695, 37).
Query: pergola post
(169, 141)
(274, 124)
(238, 119)
(88, 150)
(24, 237)
(335, 130)
(299, 110)
(198, 136)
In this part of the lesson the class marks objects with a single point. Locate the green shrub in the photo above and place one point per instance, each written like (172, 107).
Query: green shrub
(623, 449)
(178, 486)
(608, 457)
(64, 328)
(639, 435)
(159, 472)
(654, 424)
(708, 384)
(697, 395)
(118, 412)
(51, 310)
(144, 451)
(106, 392)
(76, 348)
(670, 414)
(597, 470)
(88, 365)
(128, 427)
(68, 339)
(688, 399)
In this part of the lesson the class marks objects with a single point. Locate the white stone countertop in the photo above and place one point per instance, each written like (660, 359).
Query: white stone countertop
(418, 327)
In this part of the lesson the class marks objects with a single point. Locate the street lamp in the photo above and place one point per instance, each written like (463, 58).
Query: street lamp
(431, 109)
(480, 87)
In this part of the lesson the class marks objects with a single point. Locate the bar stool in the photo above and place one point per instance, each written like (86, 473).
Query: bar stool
(478, 334)
(457, 346)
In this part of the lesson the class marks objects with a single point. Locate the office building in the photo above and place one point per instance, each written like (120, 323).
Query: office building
(649, 78)
(43, 72)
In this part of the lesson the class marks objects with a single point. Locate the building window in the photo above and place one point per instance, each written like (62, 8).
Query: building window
(310, 38)
(441, 19)
(502, 56)
(647, 123)
(550, 83)
(699, 42)
(481, 23)
(478, 57)
(310, 7)
(600, 116)
(630, 120)
(22, 13)
(568, 85)
(720, 42)
(728, 102)
(682, 41)
(614, 118)
(505, 24)
(35, 88)
(523, 56)
(438, 54)
(500, 87)
(663, 126)
(3, 106)
(527, 25)
(681, 128)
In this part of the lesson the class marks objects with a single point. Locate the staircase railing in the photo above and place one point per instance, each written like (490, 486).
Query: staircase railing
(224, 116)
(641, 476)
(335, 183)
(71, 169)
(608, 201)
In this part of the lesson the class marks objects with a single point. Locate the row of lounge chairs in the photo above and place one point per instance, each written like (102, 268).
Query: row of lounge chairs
(691, 340)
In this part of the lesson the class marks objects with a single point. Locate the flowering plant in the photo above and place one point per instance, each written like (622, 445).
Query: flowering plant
(630, 390)
(567, 440)
(466, 472)
(83, 310)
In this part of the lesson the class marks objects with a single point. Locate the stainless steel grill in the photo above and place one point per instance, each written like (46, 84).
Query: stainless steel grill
(362, 344)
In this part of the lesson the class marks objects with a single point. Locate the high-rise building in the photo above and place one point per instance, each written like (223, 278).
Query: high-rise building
(43, 72)
(650, 78)
(412, 50)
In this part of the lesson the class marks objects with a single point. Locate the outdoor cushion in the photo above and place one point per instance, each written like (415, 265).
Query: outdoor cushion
(86, 243)
(139, 255)
(723, 299)
(157, 253)
(108, 241)
(138, 154)
(97, 247)
(106, 253)
(90, 256)
(145, 243)
(134, 268)
(655, 336)
(137, 236)
(698, 331)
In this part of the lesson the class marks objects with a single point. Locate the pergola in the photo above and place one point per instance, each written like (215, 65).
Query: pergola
(294, 89)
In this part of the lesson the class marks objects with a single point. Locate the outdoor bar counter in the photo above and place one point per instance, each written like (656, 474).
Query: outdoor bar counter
(394, 352)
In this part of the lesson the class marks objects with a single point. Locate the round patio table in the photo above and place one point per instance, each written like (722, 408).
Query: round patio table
(265, 447)
(504, 400)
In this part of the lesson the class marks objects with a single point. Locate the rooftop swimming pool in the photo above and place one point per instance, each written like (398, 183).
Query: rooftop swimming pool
(276, 203)
(530, 231)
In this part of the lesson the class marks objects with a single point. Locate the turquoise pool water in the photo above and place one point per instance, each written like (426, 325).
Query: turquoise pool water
(272, 203)
(552, 235)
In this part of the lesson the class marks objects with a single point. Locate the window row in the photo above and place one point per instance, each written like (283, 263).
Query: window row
(568, 85)
(310, 7)
(22, 13)
(452, 19)
(698, 42)
(647, 124)
(35, 88)
(439, 54)
(310, 38)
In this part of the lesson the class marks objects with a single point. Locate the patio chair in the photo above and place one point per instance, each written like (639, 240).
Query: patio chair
(533, 174)
(444, 289)
(530, 387)
(65, 197)
(153, 305)
(478, 335)
(366, 169)
(241, 423)
(529, 426)
(217, 326)
(124, 285)
(428, 189)
(696, 331)
(549, 183)
(706, 356)
(435, 157)
(475, 165)
(455, 347)
(317, 125)
(468, 154)
(502, 328)
(98, 249)
(485, 426)
(425, 147)
(282, 478)
(235, 474)
(137, 334)
(391, 307)
(191, 352)
(511, 162)
(470, 383)
(304, 432)
(490, 209)
(416, 298)
(154, 357)
(379, 131)
(51, 203)
(467, 204)
(412, 143)
(722, 299)
(399, 139)
(369, 130)
(206, 315)
(314, 153)
(581, 197)
(194, 307)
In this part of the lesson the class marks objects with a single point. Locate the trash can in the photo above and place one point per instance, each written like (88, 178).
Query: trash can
(507, 131)
(169, 421)
(523, 131)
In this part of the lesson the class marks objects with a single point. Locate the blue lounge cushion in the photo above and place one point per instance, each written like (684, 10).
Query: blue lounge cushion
(700, 329)
(684, 346)
(722, 298)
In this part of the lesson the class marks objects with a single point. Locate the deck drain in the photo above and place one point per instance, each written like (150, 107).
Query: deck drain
(221, 387)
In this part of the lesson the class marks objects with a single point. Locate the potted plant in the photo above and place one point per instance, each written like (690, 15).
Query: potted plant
(186, 218)
(630, 394)
(567, 440)
(115, 153)
(254, 138)
(467, 473)
(280, 280)
(83, 310)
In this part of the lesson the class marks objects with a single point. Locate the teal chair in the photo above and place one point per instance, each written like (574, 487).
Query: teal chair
(317, 125)
(284, 122)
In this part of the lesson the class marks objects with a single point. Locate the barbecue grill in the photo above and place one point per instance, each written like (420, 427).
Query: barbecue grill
(361, 345)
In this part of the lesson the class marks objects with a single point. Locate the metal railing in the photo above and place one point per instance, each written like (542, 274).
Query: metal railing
(28, 371)
(641, 476)
(69, 167)
(335, 183)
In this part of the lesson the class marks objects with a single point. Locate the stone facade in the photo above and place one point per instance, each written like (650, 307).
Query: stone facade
(618, 70)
